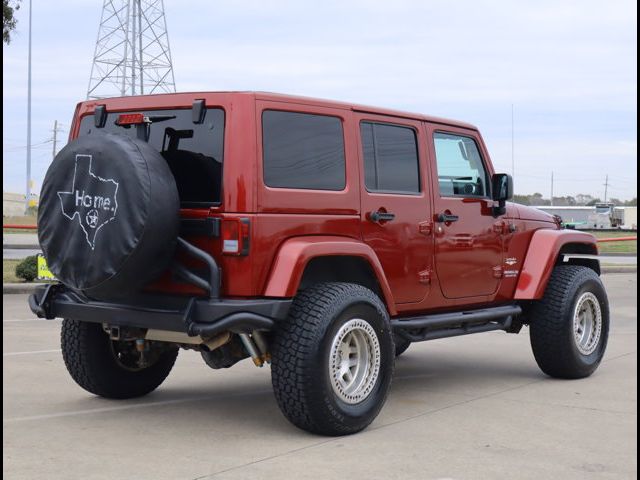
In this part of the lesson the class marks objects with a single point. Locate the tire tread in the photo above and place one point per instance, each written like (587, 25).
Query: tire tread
(550, 334)
(88, 360)
(295, 342)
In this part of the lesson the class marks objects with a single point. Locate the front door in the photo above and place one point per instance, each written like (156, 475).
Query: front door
(468, 239)
(395, 207)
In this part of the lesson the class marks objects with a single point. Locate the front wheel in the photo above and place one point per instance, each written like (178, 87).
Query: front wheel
(332, 359)
(570, 325)
(110, 368)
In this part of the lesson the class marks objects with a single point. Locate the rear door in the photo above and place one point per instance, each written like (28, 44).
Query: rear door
(395, 207)
(468, 239)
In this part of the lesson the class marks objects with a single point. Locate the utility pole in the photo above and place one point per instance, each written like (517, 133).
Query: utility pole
(552, 189)
(27, 197)
(606, 188)
(134, 25)
(513, 156)
(55, 138)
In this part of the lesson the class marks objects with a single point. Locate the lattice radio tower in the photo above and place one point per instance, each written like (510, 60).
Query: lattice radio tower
(132, 55)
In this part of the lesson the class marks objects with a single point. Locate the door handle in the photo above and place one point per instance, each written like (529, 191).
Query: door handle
(381, 216)
(446, 218)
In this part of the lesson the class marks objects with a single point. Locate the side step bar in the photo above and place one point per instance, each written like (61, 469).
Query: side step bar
(443, 325)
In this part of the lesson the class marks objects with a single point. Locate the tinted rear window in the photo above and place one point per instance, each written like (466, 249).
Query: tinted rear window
(301, 150)
(194, 152)
(390, 158)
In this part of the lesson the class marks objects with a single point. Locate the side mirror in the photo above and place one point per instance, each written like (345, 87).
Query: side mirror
(501, 191)
(502, 187)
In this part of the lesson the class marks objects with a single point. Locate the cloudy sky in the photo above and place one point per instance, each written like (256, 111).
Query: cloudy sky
(568, 67)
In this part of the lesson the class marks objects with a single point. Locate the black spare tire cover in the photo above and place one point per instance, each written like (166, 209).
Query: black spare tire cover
(109, 215)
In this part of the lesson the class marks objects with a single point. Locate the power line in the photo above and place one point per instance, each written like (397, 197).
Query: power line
(41, 144)
(33, 146)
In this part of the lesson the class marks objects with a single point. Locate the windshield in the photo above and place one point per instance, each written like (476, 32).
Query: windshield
(194, 152)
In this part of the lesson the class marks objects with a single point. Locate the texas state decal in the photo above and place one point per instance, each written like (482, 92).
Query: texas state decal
(93, 200)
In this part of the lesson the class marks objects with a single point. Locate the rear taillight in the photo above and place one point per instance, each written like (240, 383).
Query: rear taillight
(235, 236)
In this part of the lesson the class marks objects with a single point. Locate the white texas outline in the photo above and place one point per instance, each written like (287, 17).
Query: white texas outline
(73, 186)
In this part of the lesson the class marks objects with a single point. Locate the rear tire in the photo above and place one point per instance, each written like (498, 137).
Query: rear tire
(570, 325)
(89, 356)
(332, 359)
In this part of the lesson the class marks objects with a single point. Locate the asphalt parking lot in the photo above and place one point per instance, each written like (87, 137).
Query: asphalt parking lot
(473, 407)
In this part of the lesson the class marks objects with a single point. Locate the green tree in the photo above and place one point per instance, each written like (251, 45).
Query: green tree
(8, 19)
(28, 269)
(521, 199)
(537, 200)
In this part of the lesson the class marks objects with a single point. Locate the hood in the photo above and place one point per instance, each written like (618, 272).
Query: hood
(531, 213)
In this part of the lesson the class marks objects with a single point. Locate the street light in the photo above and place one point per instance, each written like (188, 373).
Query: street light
(28, 195)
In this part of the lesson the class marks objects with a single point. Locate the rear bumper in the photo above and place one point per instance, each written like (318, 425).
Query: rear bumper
(194, 316)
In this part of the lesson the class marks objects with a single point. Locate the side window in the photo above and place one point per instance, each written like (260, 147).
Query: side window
(390, 158)
(460, 168)
(301, 150)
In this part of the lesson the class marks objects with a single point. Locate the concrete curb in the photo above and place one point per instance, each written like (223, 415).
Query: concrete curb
(619, 269)
(6, 246)
(11, 288)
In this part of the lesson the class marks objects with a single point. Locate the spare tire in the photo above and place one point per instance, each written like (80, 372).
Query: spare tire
(109, 215)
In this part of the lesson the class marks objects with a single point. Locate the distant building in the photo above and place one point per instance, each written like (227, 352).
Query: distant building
(570, 214)
(588, 217)
(630, 217)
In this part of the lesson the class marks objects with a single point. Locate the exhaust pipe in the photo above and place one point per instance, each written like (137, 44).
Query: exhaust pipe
(251, 348)
(261, 342)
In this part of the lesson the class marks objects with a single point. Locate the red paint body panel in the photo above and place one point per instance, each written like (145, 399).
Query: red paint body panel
(544, 247)
(272, 231)
(295, 253)
(534, 215)
(420, 265)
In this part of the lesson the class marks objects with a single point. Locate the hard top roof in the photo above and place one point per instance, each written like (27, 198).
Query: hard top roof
(147, 101)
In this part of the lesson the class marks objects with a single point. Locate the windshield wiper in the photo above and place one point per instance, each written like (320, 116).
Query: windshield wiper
(142, 123)
(160, 118)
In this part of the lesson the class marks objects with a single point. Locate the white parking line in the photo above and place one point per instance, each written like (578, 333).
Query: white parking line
(34, 352)
(130, 406)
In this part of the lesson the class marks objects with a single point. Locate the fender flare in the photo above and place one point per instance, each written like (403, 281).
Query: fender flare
(544, 248)
(295, 253)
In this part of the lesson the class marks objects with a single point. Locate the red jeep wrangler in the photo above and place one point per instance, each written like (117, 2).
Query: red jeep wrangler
(318, 236)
